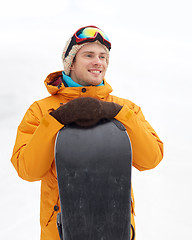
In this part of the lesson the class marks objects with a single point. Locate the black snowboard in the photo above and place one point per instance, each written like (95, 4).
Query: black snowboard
(94, 177)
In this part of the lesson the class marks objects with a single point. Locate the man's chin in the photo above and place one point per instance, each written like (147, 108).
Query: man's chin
(95, 83)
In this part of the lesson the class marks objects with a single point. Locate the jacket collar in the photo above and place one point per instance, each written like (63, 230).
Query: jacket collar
(54, 85)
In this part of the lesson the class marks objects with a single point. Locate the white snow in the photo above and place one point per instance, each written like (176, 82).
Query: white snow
(150, 64)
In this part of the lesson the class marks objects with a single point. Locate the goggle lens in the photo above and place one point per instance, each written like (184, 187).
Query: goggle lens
(91, 32)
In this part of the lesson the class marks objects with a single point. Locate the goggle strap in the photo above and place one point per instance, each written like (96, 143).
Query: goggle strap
(72, 42)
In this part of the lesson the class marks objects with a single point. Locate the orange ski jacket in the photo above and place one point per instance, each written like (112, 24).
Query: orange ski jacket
(33, 153)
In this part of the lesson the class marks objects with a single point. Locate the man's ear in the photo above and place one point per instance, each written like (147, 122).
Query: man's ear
(72, 66)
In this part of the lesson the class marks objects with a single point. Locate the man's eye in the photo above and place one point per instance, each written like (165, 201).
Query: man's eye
(102, 57)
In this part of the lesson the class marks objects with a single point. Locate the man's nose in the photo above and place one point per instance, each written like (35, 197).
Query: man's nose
(97, 60)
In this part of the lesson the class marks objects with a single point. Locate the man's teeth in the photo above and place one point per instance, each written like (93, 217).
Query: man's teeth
(95, 71)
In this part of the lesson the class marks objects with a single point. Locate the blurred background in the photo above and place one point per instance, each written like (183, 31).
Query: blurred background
(150, 64)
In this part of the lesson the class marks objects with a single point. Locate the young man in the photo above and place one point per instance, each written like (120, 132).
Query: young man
(78, 94)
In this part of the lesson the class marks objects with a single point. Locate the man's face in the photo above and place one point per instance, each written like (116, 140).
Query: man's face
(90, 65)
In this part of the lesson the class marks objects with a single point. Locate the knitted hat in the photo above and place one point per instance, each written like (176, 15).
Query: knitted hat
(67, 61)
(70, 52)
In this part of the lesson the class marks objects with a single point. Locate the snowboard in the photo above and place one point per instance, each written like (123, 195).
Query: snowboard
(94, 178)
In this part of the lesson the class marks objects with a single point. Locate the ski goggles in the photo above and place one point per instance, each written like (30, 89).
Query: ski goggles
(88, 34)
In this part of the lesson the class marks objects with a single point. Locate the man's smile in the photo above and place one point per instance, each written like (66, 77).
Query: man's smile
(95, 71)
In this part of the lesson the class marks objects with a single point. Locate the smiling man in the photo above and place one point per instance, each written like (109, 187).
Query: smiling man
(90, 65)
(79, 94)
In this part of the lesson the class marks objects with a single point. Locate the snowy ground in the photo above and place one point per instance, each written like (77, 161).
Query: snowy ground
(150, 64)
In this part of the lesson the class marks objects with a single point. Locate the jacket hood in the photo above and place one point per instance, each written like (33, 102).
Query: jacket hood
(54, 85)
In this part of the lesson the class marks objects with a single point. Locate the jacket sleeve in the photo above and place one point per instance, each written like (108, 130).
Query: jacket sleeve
(147, 148)
(33, 152)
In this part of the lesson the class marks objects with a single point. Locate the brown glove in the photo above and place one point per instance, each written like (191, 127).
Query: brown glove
(85, 111)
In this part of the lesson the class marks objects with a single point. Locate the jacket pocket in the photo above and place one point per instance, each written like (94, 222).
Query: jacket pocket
(49, 199)
(55, 208)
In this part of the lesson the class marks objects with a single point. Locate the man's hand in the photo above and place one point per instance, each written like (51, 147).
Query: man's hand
(85, 111)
